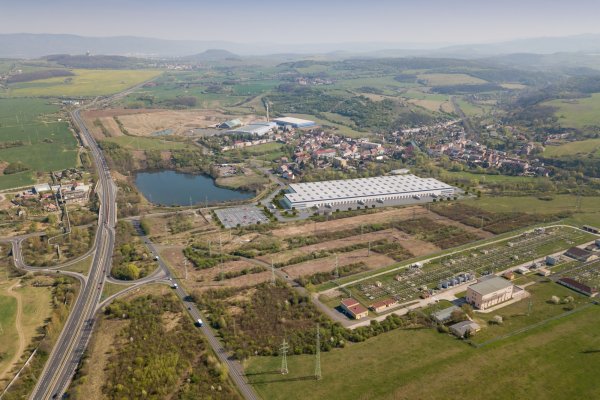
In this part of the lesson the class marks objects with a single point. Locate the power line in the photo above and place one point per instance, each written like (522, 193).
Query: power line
(272, 272)
(318, 356)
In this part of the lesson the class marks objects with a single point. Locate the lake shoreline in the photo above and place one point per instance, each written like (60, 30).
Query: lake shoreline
(173, 188)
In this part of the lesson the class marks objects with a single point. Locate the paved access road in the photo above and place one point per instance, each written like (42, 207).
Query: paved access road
(234, 367)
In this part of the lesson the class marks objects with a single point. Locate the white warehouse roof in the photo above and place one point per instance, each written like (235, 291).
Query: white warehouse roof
(255, 128)
(490, 286)
(296, 122)
(363, 187)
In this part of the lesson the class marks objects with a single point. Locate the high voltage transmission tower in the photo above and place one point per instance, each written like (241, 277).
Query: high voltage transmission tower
(283, 349)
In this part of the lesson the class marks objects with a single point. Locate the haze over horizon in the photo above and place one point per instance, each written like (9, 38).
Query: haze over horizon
(428, 22)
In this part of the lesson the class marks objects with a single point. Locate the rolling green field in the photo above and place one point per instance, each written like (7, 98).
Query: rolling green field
(577, 113)
(36, 308)
(263, 148)
(549, 362)
(587, 214)
(8, 337)
(471, 109)
(582, 148)
(450, 79)
(19, 179)
(560, 202)
(86, 82)
(387, 84)
(487, 178)
(174, 84)
(45, 142)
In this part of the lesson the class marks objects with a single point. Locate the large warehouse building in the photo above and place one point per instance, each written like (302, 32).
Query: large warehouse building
(364, 191)
(255, 128)
(294, 122)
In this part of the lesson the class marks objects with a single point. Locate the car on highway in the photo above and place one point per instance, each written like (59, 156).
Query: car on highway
(155, 258)
(175, 286)
(199, 323)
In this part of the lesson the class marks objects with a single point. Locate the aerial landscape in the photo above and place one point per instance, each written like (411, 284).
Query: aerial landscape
(299, 200)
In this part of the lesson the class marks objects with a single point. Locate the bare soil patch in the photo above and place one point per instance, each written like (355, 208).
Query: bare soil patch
(162, 226)
(373, 261)
(202, 279)
(178, 122)
(170, 320)
(308, 228)
(415, 246)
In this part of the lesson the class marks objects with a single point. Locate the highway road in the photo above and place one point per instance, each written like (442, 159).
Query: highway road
(72, 341)
(67, 352)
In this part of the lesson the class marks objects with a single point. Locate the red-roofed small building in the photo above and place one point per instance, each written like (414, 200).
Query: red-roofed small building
(354, 308)
(578, 287)
(383, 305)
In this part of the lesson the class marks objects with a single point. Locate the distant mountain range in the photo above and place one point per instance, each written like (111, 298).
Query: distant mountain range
(213, 55)
(27, 45)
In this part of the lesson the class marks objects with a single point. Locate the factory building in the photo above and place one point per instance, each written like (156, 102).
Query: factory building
(294, 122)
(363, 191)
(255, 129)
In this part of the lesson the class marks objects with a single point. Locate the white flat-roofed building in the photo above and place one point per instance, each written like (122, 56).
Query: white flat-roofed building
(294, 122)
(364, 191)
(255, 128)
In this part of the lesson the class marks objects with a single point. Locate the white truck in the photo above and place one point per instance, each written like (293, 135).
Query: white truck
(199, 323)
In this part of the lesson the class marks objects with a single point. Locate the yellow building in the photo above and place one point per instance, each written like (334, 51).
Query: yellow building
(489, 292)
(354, 308)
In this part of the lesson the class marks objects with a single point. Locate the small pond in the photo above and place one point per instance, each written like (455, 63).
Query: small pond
(178, 189)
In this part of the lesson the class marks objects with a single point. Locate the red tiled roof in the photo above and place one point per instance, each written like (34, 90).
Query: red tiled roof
(577, 285)
(357, 309)
(576, 252)
(353, 306)
(349, 302)
(383, 303)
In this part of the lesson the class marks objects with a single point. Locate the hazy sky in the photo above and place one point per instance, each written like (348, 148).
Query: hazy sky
(306, 21)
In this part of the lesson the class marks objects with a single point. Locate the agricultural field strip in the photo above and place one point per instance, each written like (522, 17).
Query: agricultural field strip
(497, 259)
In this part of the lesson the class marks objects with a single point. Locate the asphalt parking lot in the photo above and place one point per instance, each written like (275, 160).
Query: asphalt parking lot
(241, 216)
